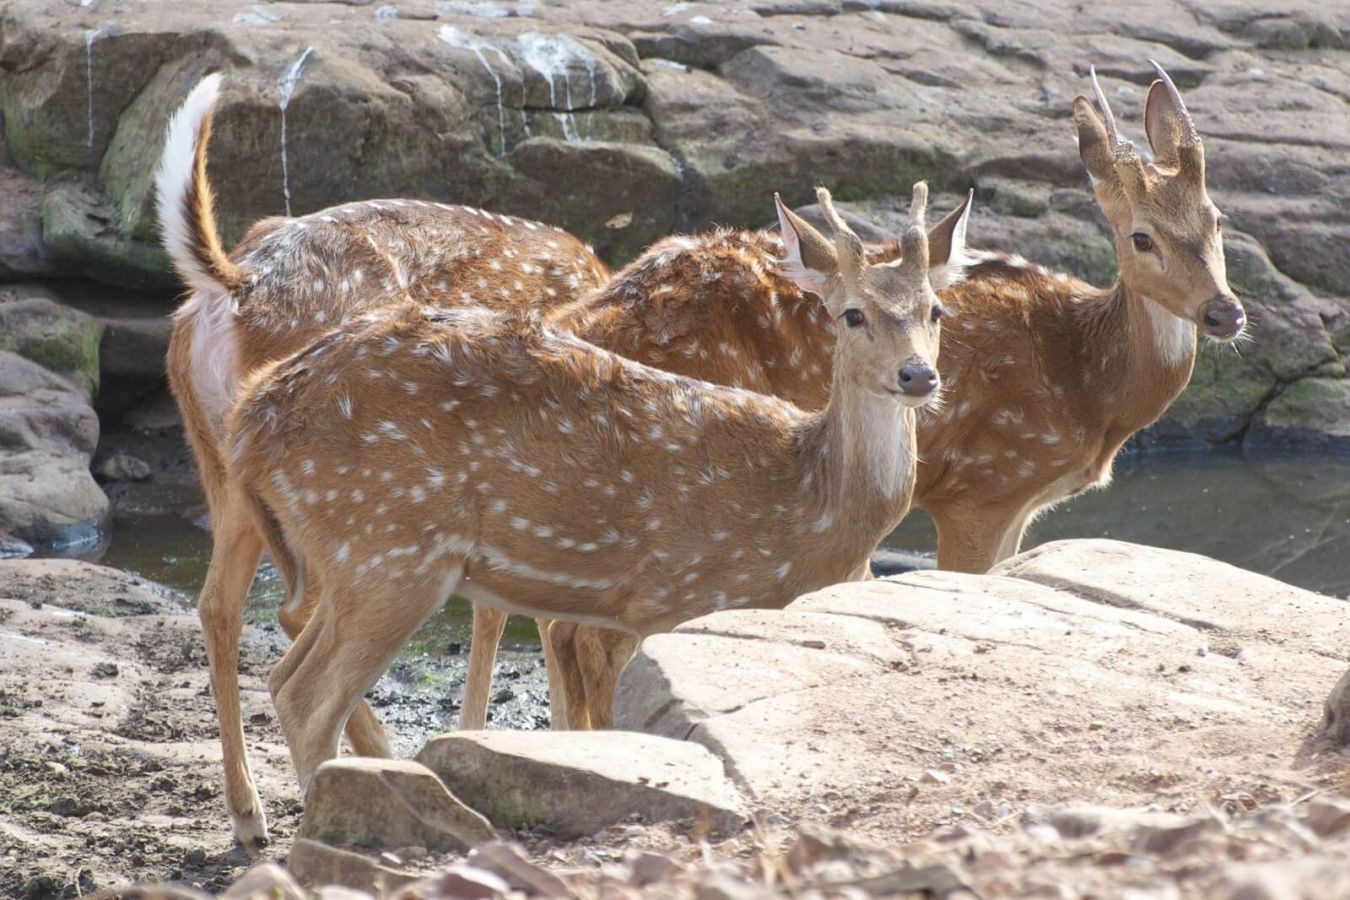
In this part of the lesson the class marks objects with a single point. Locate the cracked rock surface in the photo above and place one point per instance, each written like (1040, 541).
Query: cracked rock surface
(1096, 671)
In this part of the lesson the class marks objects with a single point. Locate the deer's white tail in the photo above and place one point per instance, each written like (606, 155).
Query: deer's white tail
(188, 228)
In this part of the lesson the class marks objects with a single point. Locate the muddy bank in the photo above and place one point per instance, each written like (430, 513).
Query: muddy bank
(109, 760)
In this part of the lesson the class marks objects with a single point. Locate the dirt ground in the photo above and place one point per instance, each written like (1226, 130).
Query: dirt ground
(109, 759)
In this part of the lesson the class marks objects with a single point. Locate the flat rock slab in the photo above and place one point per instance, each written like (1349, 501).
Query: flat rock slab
(1087, 670)
(577, 783)
(385, 804)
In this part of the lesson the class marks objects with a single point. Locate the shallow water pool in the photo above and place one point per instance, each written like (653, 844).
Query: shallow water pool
(1288, 517)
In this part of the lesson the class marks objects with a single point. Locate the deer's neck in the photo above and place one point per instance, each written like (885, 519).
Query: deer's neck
(859, 453)
(1144, 351)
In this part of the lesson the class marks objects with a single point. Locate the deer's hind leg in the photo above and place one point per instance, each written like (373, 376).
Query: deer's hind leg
(364, 730)
(236, 548)
(557, 681)
(355, 633)
(602, 654)
(488, 625)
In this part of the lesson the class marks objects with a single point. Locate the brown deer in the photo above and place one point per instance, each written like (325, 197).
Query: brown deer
(1045, 375)
(289, 281)
(521, 467)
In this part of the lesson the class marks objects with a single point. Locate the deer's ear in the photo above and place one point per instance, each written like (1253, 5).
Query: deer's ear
(1094, 145)
(947, 254)
(1164, 125)
(808, 259)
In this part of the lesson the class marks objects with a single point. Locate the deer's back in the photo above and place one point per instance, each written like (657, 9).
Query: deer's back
(310, 274)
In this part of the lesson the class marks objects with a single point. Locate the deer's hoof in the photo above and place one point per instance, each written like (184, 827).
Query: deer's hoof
(250, 828)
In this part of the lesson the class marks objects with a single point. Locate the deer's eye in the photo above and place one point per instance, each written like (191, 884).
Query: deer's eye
(854, 317)
(1142, 242)
(938, 312)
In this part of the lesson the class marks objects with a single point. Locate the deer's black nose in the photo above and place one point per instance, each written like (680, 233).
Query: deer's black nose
(1222, 317)
(918, 380)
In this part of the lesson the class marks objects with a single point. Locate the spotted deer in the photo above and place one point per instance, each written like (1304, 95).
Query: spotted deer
(496, 457)
(289, 281)
(1045, 376)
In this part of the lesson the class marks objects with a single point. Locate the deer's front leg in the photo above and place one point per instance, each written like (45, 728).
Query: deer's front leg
(970, 538)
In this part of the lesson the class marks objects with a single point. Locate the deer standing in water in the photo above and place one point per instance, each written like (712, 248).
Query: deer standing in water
(289, 281)
(532, 472)
(1045, 376)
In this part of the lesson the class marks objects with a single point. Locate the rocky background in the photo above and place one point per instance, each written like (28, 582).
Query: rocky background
(623, 122)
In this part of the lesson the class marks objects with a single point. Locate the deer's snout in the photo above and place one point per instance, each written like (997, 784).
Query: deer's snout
(917, 380)
(1222, 317)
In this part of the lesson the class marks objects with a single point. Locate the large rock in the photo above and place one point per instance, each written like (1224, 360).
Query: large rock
(577, 783)
(131, 360)
(385, 804)
(22, 250)
(1314, 411)
(1095, 670)
(693, 114)
(48, 432)
(60, 339)
(79, 230)
(107, 728)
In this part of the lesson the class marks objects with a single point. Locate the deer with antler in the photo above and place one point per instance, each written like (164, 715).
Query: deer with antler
(530, 471)
(289, 281)
(1049, 376)
(1045, 376)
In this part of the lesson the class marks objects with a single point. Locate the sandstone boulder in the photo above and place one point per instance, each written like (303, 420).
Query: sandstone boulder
(48, 432)
(1089, 669)
(385, 804)
(314, 863)
(22, 250)
(58, 338)
(131, 360)
(577, 783)
(1313, 411)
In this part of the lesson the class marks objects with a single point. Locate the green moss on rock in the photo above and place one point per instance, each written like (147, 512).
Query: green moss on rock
(58, 338)
(1314, 405)
(79, 228)
(1224, 392)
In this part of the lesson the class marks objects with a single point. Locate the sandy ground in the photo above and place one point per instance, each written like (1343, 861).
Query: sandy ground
(109, 760)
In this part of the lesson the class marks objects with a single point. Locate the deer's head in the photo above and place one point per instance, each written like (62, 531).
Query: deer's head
(1167, 230)
(886, 314)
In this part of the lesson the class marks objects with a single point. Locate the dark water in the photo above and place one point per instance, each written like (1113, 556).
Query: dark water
(1288, 517)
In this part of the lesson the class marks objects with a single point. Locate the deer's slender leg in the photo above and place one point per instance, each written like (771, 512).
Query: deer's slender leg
(236, 549)
(557, 688)
(602, 654)
(354, 636)
(562, 640)
(364, 730)
(488, 625)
